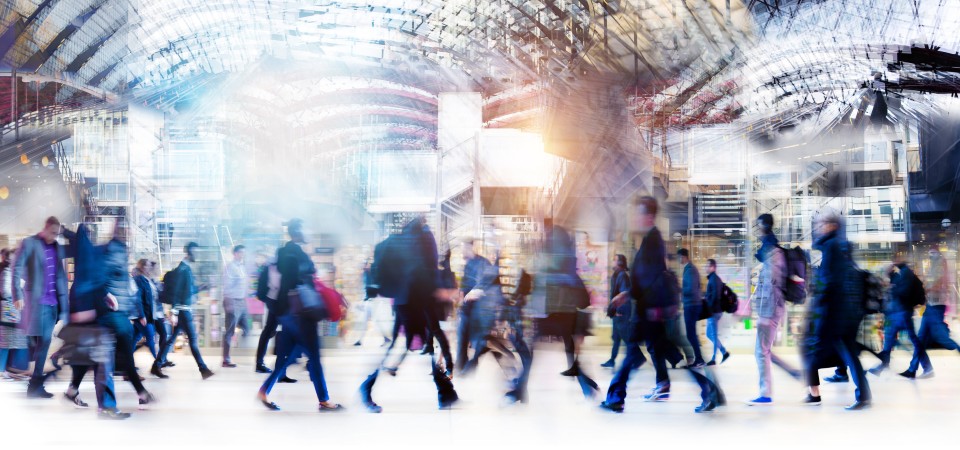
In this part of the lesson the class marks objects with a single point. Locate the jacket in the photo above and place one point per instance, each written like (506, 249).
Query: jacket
(649, 284)
(714, 290)
(620, 282)
(148, 293)
(119, 281)
(28, 270)
(185, 289)
(769, 297)
(691, 285)
(837, 299)
(295, 268)
(901, 290)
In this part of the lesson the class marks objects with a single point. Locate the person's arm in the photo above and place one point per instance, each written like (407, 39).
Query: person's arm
(778, 270)
(688, 282)
(19, 271)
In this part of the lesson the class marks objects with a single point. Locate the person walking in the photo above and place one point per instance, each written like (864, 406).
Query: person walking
(692, 304)
(236, 288)
(711, 301)
(13, 341)
(40, 292)
(474, 271)
(155, 330)
(370, 305)
(183, 295)
(904, 297)
(620, 329)
(939, 289)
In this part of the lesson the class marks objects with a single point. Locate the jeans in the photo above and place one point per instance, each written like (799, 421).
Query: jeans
(40, 345)
(621, 327)
(713, 333)
(298, 335)
(766, 335)
(185, 325)
(148, 332)
(933, 330)
(675, 333)
(119, 323)
(235, 315)
(463, 337)
(268, 332)
(617, 392)
(659, 345)
(691, 314)
(102, 381)
(897, 322)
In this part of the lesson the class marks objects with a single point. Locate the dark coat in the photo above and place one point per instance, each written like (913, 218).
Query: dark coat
(711, 299)
(691, 285)
(901, 290)
(295, 268)
(152, 308)
(29, 268)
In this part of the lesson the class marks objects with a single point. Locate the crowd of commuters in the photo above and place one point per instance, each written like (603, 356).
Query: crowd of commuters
(655, 305)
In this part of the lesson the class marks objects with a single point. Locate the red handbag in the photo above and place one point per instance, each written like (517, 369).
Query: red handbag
(332, 299)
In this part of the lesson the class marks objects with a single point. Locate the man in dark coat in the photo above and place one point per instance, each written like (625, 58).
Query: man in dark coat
(899, 317)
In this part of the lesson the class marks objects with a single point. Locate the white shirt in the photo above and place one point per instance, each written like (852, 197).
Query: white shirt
(235, 281)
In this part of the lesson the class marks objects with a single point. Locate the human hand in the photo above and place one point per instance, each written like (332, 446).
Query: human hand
(18, 304)
(143, 321)
(112, 302)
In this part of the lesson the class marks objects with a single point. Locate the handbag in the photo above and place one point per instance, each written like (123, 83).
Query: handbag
(332, 300)
(86, 344)
(305, 302)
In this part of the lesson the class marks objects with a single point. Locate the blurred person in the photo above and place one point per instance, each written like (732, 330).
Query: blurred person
(370, 305)
(407, 271)
(155, 330)
(654, 305)
(13, 341)
(40, 293)
(904, 297)
(692, 304)
(91, 337)
(711, 301)
(681, 350)
(836, 312)
(486, 300)
(473, 278)
(620, 330)
(236, 288)
(933, 328)
(771, 306)
(446, 286)
(183, 295)
(268, 291)
(298, 333)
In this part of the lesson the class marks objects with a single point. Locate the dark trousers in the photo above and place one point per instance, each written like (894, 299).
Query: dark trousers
(185, 325)
(435, 332)
(847, 348)
(103, 383)
(234, 316)
(40, 345)
(933, 331)
(895, 323)
(691, 314)
(463, 337)
(269, 331)
(151, 332)
(298, 335)
(119, 323)
(619, 333)
(617, 392)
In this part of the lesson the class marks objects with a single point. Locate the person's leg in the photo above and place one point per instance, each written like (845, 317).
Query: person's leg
(617, 392)
(4, 355)
(230, 320)
(463, 333)
(893, 323)
(519, 391)
(41, 346)
(939, 333)
(569, 348)
(171, 341)
(285, 344)
(920, 357)
(658, 345)
(615, 336)
(766, 333)
(843, 347)
(691, 315)
(674, 334)
(366, 309)
(159, 327)
(433, 326)
(268, 332)
(76, 378)
(305, 334)
(123, 332)
(186, 318)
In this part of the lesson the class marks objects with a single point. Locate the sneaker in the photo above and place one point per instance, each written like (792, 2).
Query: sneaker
(228, 364)
(858, 405)
(145, 401)
(877, 370)
(39, 392)
(711, 363)
(167, 364)
(836, 379)
(155, 371)
(760, 401)
(205, 373)
(908, 374)
(112, 414)
(262, 368)
(926, 374)
(726, 356)
(614, 407)
(75, 400)
(811, 400)
(705, 407)
(357, 344)
(609, 364)
(658, 394)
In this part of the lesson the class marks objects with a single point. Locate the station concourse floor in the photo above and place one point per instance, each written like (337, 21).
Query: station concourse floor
(222, 412)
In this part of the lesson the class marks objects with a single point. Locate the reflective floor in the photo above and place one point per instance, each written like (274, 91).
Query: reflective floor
(222, 412)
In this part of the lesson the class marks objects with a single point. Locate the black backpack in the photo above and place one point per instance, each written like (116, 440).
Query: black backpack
(872, 292)
(729, 303)
(795, 286)
(169, 286)
(917, 293)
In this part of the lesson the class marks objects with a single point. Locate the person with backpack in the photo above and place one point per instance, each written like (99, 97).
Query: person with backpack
(769, 304)
(692, 304)
(181, 292)
(268, 289)
(933, 329)
(620, 282)
(712, 302)
(906, 293)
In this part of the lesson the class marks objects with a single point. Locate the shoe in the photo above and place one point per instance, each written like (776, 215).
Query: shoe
(711, 363)
(571, 372)
(877, 370)
(112, 414)
(836, 379)
(75, 399)
(39, 392)
(331, 407)
(705, 407)
(449, 402)
(615, 407)
(53, 361)
(726, 355)
(657, 394)
(357, 344)
(205, 373)
(811, 400)
(427, 351)
(514, 396)
(858, 405)
(228, 364)
(761, 401)
(155, 371)
(910, 375)
(262, 368)
(286, 379)
(386, 342)
(926, 374)
(609, 364)
(126, 378)
(146, 400)
(392, 371)
(697, 365)
(167, 364)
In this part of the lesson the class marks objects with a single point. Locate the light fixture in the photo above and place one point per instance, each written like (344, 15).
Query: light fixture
(24, 159)
(4, 192)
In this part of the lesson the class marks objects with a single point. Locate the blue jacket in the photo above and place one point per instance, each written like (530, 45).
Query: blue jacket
(901, 285)
(649, 287)
(620, 282)
(714, 290)
(691, 285)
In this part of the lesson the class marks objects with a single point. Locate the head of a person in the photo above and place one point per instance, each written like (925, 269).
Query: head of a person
(711, 266)
(765, 224)
(644, 214)
(239, 252)
(468, 251)
(142, 267)
(899, 258)
(190, 250)
(295, 231)
(51, 230)
(684, 255)
(828, 222)
(621, 262)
